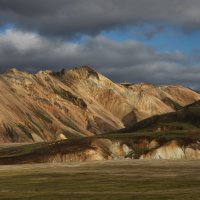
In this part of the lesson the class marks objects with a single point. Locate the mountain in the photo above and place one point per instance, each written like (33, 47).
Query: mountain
(79, 102)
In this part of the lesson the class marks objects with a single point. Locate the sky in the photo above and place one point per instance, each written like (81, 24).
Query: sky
(153, 41)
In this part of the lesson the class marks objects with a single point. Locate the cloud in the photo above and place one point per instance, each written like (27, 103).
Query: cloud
(64, 18)
(122, 61)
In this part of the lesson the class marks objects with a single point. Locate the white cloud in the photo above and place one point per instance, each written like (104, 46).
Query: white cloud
(122, 61)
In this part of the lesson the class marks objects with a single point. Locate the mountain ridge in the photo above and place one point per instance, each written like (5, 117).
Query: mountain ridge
(79, 102)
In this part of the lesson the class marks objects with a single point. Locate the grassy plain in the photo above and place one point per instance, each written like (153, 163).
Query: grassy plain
(126, 179)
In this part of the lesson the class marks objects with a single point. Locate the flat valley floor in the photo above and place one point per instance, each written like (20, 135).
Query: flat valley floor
(126, 179)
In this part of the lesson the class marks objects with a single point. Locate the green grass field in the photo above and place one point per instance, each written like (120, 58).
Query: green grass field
(127, 179)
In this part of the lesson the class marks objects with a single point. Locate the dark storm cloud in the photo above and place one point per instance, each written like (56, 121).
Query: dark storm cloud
(121, 61)
(29, 47)
(71, 17)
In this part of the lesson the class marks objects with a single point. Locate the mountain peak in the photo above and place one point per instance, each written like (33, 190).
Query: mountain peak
(82, 72)
(13, 71)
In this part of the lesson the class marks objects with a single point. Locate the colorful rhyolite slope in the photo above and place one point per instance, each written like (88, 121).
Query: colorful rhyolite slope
(79, 102)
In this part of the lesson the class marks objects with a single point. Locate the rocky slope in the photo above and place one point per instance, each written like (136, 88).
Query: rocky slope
(79, 102)
(187, 118)
(174, 135)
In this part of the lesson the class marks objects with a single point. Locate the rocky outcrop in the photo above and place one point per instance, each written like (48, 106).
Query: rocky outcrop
(174, 150)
